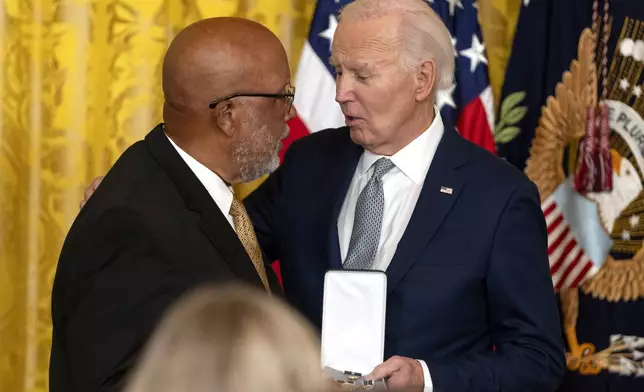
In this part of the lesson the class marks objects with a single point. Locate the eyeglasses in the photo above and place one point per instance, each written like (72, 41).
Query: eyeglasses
(288, 95)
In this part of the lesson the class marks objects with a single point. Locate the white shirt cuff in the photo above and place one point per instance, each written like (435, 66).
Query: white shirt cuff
(429, 386)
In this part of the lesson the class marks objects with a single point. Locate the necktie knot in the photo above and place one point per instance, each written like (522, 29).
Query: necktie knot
(367, 222)
(381, 167)
(237, 207)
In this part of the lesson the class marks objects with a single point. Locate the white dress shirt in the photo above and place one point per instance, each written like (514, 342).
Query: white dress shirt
(221, 193)
(401, 187)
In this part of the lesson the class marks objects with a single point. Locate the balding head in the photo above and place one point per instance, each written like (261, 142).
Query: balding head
(216, 57)
(211, 60)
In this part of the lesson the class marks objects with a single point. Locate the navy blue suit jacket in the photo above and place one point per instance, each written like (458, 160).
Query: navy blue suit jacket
(469, 290)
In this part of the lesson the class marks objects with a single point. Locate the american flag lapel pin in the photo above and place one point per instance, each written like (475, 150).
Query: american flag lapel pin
(446, 190)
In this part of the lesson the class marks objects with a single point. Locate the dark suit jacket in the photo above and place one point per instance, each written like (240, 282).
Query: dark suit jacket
(470, 273)
(149, 233)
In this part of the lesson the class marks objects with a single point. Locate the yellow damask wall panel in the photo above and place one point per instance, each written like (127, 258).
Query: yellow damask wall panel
(79, 83)
(498, 20)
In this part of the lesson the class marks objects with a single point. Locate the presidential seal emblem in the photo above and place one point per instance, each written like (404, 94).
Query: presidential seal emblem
(595, 224)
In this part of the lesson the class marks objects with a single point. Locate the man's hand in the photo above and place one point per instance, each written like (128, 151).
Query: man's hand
(91, 188)
(404, 374)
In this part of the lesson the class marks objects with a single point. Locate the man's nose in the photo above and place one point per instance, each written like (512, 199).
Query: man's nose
(343, 90)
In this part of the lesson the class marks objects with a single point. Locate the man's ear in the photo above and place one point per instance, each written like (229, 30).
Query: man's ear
(425, 80)
(224, 118)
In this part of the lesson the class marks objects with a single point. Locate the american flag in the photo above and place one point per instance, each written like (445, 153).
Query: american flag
(468, 103)
(569, 264)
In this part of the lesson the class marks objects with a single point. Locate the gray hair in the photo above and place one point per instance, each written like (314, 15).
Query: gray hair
(423, 33)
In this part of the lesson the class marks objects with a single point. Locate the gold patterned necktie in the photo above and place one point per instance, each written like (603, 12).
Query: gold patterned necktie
(246, 234)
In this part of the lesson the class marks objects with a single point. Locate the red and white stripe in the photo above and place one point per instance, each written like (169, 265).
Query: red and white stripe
(314, 98)
(569, 265)
(476, 121)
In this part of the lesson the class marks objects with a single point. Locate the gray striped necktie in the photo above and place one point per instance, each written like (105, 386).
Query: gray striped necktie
(367, 223)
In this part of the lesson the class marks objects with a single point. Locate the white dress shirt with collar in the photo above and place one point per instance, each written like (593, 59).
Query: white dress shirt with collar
(401, 186)
(221, 193)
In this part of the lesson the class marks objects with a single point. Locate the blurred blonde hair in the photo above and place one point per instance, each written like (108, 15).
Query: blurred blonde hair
(230, 338)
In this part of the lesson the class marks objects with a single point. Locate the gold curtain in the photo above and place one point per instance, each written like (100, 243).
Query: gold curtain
(79, 83)
(498, 23)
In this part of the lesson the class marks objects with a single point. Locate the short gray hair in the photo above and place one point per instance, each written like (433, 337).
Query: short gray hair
(424, 35)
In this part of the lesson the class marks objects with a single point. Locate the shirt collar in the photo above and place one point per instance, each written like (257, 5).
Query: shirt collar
(415, 158)
(221, 193)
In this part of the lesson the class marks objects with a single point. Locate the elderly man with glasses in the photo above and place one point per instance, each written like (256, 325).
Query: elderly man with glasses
(165, 218)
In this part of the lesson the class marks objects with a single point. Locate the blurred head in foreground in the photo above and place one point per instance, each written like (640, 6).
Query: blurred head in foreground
(230, 338)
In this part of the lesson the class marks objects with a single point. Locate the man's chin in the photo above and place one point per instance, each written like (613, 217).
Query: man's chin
(357, 136)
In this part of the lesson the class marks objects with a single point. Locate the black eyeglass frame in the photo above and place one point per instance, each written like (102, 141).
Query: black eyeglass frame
(289, 95)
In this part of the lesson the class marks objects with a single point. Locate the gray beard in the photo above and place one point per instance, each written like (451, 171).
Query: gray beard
(258, 154)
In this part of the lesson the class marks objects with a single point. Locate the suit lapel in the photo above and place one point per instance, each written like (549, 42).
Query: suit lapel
(340, 175)
(218, 230)
(213, 222)
(442, 187)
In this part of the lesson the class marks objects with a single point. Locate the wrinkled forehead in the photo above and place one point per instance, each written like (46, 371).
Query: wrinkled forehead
(367, 40)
